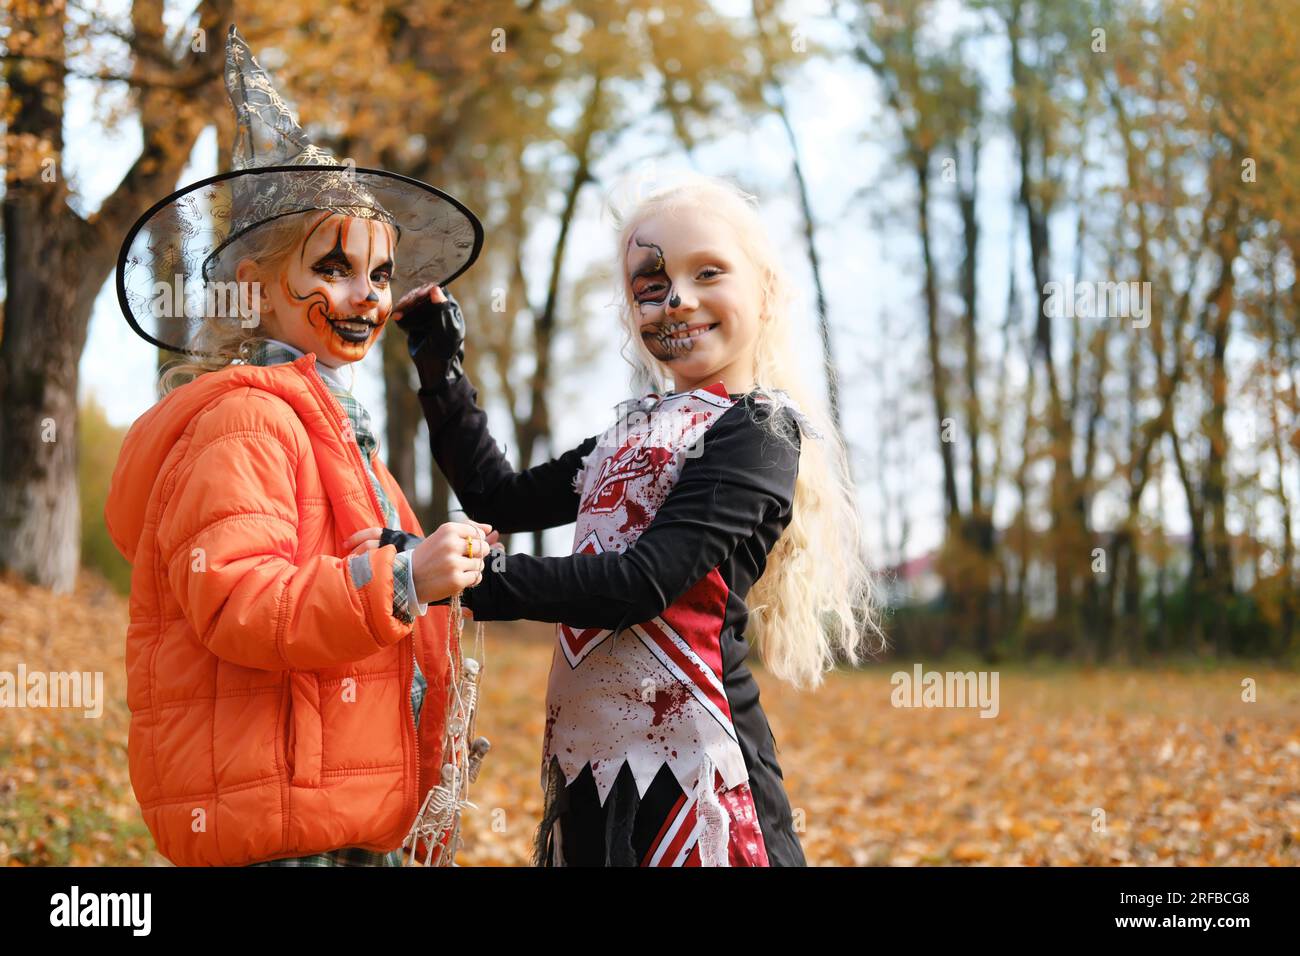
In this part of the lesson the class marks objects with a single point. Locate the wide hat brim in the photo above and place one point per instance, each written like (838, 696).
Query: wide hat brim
(190, 237)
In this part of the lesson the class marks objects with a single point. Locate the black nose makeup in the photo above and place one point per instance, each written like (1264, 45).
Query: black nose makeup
(675, 300)
(373, 297)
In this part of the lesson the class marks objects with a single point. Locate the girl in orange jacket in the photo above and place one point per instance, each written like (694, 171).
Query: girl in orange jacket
(270, 642)
(279, 655)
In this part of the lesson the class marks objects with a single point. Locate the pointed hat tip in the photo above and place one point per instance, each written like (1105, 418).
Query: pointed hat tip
(237, 49)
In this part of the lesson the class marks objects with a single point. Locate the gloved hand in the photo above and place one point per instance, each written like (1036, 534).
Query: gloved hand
(435, 332)
(401, 540)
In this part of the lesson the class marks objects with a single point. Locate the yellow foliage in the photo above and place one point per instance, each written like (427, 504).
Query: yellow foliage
(98, 444)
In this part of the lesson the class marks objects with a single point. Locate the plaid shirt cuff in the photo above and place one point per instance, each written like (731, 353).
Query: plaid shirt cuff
(405, 605)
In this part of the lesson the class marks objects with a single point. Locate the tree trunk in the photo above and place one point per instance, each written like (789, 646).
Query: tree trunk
(402, 403)
(537, 427)
(40, 516)
(1068, 536)
(938, 376)
(1216, 481)
(55, 264)
(39, 512)
(977, 528)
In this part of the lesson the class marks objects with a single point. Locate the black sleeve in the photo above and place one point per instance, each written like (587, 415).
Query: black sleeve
(489, 489)
(743, 477)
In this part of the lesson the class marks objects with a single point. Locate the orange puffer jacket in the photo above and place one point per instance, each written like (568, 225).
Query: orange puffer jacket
(269, 689)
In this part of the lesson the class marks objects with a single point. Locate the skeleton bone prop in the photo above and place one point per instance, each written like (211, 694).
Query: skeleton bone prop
(437, 824)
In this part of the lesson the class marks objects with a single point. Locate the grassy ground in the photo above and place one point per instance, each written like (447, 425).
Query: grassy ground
(1090, 767)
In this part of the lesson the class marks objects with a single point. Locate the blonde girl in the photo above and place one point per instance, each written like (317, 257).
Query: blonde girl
(715, 514)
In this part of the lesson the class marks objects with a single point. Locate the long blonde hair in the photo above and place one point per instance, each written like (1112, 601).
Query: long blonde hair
(223, 340)
(816, 603)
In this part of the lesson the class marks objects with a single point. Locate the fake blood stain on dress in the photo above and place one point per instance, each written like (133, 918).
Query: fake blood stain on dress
(637, 519)
(668, 703)
(552, 714)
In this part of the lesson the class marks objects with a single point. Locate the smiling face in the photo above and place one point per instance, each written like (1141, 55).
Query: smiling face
(695, 298)
(331, 294)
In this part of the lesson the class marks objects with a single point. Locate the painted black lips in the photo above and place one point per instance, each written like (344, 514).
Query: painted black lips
(350, 335)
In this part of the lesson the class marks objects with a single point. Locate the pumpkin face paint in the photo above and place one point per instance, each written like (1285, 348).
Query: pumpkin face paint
(332, 295)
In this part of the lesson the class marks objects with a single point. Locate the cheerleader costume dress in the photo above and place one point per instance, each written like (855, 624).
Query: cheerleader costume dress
(656, 750)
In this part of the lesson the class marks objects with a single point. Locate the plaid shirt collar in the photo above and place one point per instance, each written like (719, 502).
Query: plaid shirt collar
(275, 352)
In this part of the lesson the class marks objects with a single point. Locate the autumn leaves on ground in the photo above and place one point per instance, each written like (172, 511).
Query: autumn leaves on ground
(1097, 767)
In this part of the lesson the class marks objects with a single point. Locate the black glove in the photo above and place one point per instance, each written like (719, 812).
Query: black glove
(435, 333)
(399, 539)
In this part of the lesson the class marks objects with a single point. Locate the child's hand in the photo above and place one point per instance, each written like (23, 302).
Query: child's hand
(367, 539)
(492, 536)
(435, 332)
(414, 300)
(441, 563)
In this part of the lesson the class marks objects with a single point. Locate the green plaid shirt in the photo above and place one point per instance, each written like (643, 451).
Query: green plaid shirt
(405, 605)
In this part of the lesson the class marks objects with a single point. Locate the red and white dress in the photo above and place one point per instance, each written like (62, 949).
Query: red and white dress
(656, 750)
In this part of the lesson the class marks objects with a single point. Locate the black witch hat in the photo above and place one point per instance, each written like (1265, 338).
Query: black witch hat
(178, 256)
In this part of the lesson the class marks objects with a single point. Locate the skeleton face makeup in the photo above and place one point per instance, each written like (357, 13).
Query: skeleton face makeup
(332, 295)
(696, 297)
(651, 286)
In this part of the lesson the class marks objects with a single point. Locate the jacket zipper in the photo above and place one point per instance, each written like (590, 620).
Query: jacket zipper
(319, 384)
